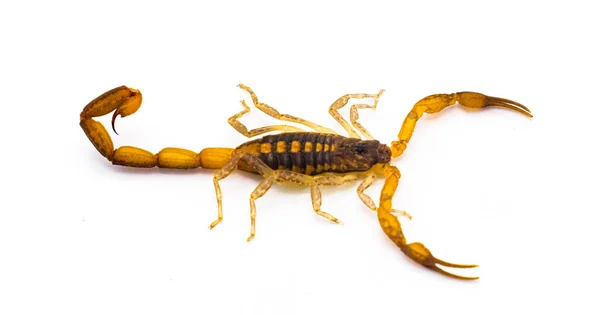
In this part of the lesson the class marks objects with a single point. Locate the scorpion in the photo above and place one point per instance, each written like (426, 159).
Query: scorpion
(294, 156)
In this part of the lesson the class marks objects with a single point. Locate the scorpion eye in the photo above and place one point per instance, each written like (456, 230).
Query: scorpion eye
(360, 149)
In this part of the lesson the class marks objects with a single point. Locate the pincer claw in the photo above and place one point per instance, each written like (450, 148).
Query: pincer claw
(478, 100)
(502, 102)
(420, 254)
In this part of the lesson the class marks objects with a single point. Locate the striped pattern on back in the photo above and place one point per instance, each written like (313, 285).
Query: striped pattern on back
(301, 152)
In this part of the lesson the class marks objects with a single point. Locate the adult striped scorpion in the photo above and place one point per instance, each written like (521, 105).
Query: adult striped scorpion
(294, 156)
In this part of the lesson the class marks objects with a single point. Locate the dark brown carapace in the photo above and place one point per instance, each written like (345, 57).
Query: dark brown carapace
(313, 153)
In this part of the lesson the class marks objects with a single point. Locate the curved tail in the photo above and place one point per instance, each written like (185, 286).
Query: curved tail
(125, 101)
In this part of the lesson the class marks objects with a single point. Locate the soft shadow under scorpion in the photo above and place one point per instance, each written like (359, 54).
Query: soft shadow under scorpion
(294, 156)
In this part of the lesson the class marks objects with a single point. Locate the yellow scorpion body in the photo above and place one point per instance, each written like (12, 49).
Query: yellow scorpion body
(294, 156)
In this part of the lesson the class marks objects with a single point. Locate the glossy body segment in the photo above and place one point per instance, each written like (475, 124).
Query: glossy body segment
(306, 153)
(316, 153)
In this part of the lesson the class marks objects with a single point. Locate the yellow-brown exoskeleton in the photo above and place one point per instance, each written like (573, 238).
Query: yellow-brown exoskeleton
(294, 156)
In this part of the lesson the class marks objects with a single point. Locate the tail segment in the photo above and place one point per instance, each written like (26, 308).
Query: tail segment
(125, 101)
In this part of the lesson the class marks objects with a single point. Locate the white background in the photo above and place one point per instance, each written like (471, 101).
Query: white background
(518, 196)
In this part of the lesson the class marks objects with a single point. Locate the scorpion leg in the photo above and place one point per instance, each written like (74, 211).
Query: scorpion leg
(280, 176)
(437, 102)
(342, 101)
(391, 227)
(366, 183)
(326, 179)
(241, 128)
(289, 177)
(315, 194)
(258, 192)
(330, 179)
(283, 117)
(254, 163)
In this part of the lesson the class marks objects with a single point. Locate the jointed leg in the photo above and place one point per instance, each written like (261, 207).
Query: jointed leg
(241, 128)
(354, 119)
(366, 183)
(315, 194)
(328, 179)
(283, 117)
(280, 176)
(258, 192)
(437, 102)
(342, 101)
(252, 161)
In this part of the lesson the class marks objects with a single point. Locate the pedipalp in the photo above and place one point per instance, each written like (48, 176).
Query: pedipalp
(392, 228)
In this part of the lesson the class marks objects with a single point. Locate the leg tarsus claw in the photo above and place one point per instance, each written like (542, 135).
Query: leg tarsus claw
(212, 225)
(403, 213)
